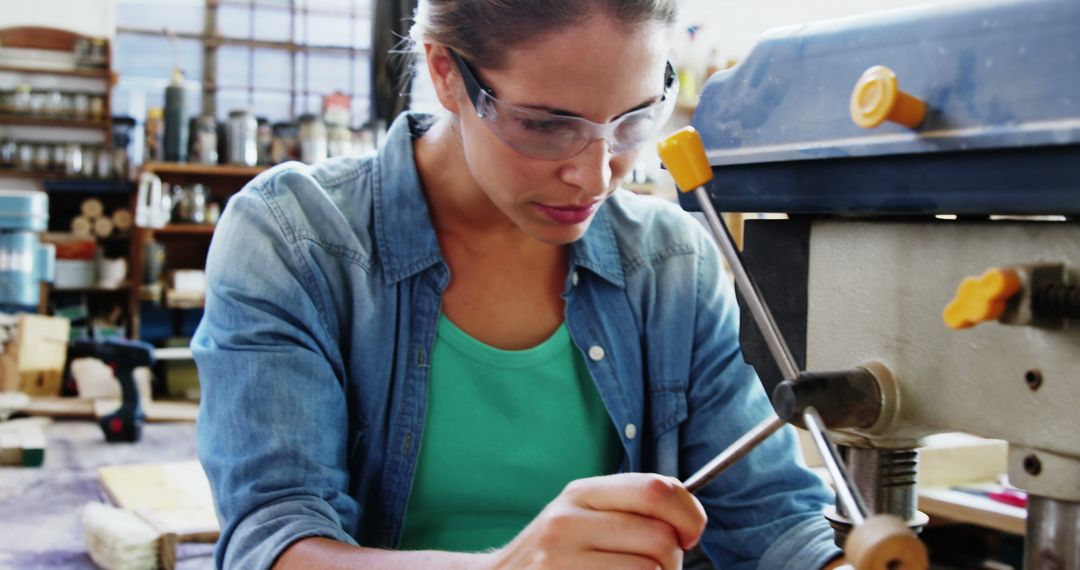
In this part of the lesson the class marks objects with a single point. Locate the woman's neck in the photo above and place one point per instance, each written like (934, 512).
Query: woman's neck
(459, 207)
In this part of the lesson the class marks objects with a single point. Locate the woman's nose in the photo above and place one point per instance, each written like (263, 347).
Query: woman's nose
(590, 170)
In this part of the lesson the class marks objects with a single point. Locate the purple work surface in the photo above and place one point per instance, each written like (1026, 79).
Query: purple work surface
(40, 524)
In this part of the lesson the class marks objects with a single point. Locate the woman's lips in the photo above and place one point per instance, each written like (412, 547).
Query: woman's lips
(569, 215)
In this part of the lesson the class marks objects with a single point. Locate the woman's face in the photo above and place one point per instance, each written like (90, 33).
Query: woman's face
(598, 70)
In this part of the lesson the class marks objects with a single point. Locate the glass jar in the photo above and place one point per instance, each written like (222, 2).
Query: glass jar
(283, 143)
(154, 262)
(121, 164)
(9, 150)
(104, 163)
(59, 156)
(81, 51)
(189, 204)
(24, 160)
(37, 103)
(80, 105)
(312, 139)
(123, 130)
(340, 141)
(97, 107)
(204, 143)
(98, 52)
(154, 131)
(54, 104)
(241, 135)
(73, 159)
(264, 139)
(42, 156)
(21, 100)
(89, 161)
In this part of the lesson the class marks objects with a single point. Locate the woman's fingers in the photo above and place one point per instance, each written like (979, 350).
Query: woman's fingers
(646, 494)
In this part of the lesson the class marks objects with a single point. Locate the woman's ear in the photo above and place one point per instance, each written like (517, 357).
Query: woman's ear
(444, 76)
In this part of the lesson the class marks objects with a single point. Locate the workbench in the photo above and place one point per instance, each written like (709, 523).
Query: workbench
(40, 506)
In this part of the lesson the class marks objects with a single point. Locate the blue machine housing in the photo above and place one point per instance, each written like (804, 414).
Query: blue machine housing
(1001, 81)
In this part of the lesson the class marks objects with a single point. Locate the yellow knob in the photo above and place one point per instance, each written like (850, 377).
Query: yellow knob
(877, 98)
(683, 154)
(981, 299)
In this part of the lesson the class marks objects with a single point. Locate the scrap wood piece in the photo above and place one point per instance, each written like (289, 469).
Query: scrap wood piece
(175, 497)
(22, 442)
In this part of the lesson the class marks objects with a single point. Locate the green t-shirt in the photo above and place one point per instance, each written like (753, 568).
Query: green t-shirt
(506, 431)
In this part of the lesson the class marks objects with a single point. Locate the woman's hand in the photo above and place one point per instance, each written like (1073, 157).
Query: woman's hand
(626, 521)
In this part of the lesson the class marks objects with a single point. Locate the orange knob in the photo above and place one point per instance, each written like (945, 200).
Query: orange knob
(981, 299)
(877, 98)
(683, 154)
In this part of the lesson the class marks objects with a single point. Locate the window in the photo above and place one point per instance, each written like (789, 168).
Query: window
(277, 57)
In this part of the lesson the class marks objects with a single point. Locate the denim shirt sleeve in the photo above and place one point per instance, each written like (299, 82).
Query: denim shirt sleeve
(271, 431)
(766, 510)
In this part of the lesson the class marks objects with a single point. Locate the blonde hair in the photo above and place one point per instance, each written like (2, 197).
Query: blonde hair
(482, 30)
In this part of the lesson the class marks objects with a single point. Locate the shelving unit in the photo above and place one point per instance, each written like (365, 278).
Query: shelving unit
(66, 193)
(202, 170)
(31, 121)
(49, 39)
(33, 174)
(88, 73)
(60, 184)
(186, 245)
(185, 229)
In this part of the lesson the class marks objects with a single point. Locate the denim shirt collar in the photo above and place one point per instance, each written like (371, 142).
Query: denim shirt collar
(406, 238)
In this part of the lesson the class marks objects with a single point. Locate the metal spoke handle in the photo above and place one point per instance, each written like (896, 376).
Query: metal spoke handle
(847, 492)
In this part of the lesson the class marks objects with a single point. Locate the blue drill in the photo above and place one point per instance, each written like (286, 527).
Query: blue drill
(123, 356)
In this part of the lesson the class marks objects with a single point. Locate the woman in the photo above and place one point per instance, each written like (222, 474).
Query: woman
(470, 350)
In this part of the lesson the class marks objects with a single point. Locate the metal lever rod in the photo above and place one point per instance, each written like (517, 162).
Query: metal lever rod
(758, 309)
(733, 453)
(846, 492)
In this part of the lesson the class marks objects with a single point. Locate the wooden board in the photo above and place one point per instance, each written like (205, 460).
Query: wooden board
(41, 382)
(40, 349)
(962, 507)
(42, 343)
(22, 442)
(157, 411)
(57, 407)
(10, 379)
(173, 497)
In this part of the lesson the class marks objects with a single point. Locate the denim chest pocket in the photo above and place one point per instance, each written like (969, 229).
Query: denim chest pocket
(667, 406)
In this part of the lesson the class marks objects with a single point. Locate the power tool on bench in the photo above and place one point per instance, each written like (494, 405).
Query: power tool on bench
(123, 356)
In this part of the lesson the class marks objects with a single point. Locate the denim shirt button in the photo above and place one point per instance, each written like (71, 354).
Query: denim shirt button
(574, 278)
(596, 353)
(630, 431)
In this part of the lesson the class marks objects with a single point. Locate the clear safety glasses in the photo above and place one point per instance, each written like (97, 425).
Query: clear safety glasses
(551, 136)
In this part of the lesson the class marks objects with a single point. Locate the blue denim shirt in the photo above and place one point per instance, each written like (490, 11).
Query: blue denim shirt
(325, 286)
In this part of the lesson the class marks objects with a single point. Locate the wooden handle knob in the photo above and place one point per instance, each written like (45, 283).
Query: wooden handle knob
(884, 542)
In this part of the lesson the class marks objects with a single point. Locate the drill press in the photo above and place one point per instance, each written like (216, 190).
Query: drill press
(927, 277)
